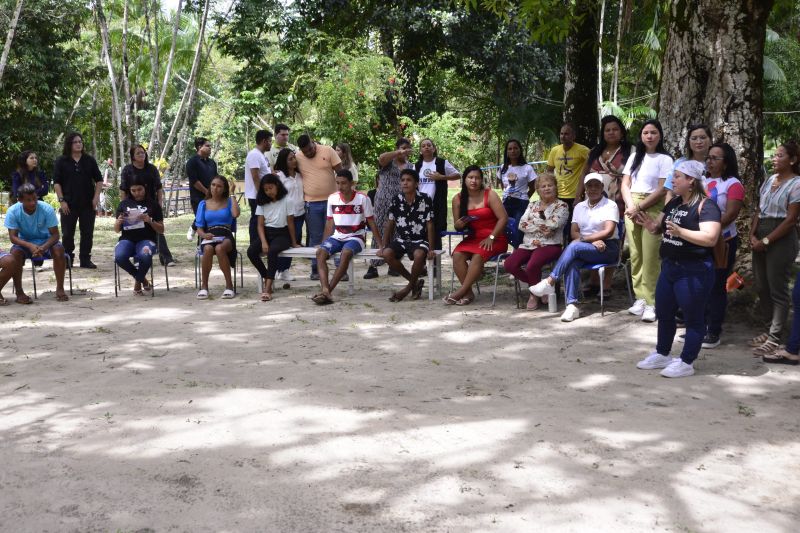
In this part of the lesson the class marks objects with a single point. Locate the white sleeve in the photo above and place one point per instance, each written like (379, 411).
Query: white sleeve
(449, 169)
(368, 211)
(612, 211)
(629, 163)
(667, 167)
(252, 161)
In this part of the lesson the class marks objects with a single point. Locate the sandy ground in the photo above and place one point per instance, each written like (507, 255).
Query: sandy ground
(171, 414)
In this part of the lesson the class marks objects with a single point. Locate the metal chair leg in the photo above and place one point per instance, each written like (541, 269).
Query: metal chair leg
(496, 274)
(33, 271)
(601, 273)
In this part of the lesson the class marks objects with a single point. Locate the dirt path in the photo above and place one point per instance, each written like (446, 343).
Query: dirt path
(170, 414)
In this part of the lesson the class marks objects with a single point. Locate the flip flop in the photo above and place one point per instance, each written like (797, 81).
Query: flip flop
(266, 296)
(146, 286)
(62, 297)
(321, 299)
(138, 292)
(779, 359)
(202, 294)
(416, 292)
(24, 300)
(227, 294)
(465, 300)
(449, 300)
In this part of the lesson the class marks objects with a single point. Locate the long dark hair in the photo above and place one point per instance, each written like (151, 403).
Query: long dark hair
(641, 150)
(729, 158)
(226, 187)
(261, 196)
(24, 173)
(464, 198)
(688, 153)
(624, 143)
(67, 150)
(282, 161)
(505, 156)
(133, 151)
(793, 150)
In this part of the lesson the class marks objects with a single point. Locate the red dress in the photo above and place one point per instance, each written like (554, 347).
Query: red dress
(482, 228)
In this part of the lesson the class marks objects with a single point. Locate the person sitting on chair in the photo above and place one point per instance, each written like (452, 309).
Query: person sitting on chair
(8, 266)
(275, 228)
(542, 227)
(140, 221)
(594, 240)
(411, 213)
(33, 230)
(478, 210)
(349, 212)
(215, 218)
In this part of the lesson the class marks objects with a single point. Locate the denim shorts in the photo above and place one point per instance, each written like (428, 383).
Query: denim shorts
(29, 255)
(334, 246)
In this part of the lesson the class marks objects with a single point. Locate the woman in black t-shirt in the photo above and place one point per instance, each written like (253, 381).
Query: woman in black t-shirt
(140, 220)
(691, 226)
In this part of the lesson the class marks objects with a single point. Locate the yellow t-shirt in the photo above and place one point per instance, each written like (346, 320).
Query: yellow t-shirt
(568, 167)
(318, 175)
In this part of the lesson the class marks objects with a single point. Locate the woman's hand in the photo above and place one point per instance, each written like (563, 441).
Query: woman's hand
(632, 211)
(461, 223)
(536, 242)
(264, 247)
(295, 245)
(756, 244)
(64, 206)
(673, 229)
(600, 245)
(487, 244)
(643, 219)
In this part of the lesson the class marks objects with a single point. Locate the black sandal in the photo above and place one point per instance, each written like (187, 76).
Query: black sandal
(416, 292)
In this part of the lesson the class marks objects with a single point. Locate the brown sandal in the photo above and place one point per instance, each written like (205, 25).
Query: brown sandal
(768, 348)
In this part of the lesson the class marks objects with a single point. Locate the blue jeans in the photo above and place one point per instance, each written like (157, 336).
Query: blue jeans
(686, 285)
(285, 262)
(141, 251)
(718, 300)
(515, 209)
(315, 226)
(577, 255)
(793, 344)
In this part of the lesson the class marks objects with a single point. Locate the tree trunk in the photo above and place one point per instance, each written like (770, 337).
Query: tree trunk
(580, 75)
(702, 80)
(155, 135)
(600, 53)
(9, 38)
(130, 125)
(106, 52)
(152, 47)
(615, 77)
(189, 92)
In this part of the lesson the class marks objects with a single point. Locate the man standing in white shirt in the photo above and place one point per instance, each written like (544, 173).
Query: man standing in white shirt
(255, 168)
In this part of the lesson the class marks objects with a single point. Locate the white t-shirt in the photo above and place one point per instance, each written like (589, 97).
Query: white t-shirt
(592, 220)
(525, 175)
(297, 206)
(354, 170)
(275, 213)
(349, 218)
(653, 167)
(255, 159)
(427, 185)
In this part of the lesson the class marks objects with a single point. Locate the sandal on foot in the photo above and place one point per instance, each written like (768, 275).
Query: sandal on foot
(755, 342)
(466, 300)
(227, 294)
(202, 294)
(3, 301)
(416, 292)
(266, 296)
(62, 297)
(449, 300)
(24, 300)
(138, 292)
(396, 297)
(768, 348)
(781, 357)
(533, 304)
(146, 286)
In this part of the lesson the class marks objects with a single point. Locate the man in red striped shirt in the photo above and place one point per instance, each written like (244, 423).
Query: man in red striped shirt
(348, 214)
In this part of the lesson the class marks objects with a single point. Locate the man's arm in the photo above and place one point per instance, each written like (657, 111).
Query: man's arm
(375, 233)
(328, 229)
(255, 177)
(14, 237)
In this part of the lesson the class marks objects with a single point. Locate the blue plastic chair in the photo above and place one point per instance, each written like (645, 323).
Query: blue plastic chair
(601, 268)
(511, 228)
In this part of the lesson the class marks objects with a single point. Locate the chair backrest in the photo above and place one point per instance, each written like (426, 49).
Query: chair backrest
(511, 229)
(621, 237)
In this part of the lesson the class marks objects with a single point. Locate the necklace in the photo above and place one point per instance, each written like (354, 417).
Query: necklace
(592, 205)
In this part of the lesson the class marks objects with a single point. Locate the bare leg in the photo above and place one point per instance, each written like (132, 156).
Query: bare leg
(471, 274)
(59, 266)
(341, 270)
(206, 262)
(395, 264)
(222, 250)
(322, 269)
(8, 266)
(20, 263)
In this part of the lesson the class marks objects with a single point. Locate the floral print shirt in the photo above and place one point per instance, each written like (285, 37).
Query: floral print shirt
(543, 224)
(410, 219)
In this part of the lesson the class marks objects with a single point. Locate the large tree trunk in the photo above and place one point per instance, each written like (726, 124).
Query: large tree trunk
(712, 72)
(106, 53)
(9, 38)
(152, 47)
(155, 135)
(187, 100)
(580, 75)
(130, 123)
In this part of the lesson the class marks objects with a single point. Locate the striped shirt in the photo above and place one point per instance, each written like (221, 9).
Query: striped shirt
(349, 218)
(775, 203)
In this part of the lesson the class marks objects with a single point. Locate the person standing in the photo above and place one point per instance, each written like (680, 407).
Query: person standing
(318, 164)
(567, 161)
(280, 142)
(28, 171)
(517, 178)
(200, 169)
(286, 169)
(141, 168)
(255, 168)
(77, 184)
(643, 192)
(346, 155)
(434, 173)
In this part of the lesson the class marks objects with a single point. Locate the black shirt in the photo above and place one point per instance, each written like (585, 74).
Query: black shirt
(149, 173)
(411, 219)
(687, 216)
(77, 179)
(136, 230)
(200, 169)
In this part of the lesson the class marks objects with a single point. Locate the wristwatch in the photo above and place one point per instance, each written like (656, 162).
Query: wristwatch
(491, 237)
(60, 200)
(765, 241)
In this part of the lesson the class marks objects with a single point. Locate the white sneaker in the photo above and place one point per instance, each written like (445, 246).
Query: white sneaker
(677, 369)
(570, 313)
(649, 314)
(653, 361)
(285, 275)
(542, 288)
(190, 234)
(638, 307)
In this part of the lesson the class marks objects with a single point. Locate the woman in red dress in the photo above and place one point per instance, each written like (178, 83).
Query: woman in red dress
(479, 211)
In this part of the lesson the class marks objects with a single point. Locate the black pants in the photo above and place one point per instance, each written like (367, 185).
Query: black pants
(253, 228)
(83, 216)
(278, 240)
(164, 255)
(568, 226)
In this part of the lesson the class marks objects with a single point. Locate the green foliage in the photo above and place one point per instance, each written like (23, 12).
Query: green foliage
(453, 138)
(781, 95)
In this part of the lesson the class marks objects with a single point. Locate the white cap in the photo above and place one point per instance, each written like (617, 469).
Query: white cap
(593, 176)
(693, 169)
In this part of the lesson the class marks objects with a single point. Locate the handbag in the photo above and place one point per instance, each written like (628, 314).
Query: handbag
(720, 250)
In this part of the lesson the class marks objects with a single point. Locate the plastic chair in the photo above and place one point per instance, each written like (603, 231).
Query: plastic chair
(601, 268)
(118, 278)
(511, 228)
